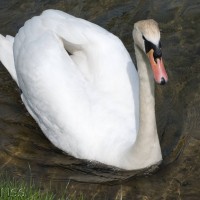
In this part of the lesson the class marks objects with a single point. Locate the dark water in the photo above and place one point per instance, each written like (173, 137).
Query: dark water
(25, 152)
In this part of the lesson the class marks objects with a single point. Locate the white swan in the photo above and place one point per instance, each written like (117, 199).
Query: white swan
(89, 100)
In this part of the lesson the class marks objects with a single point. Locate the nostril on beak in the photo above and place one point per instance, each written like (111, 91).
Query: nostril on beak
(162, 82)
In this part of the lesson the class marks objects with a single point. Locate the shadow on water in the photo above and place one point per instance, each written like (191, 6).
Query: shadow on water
(26, 152)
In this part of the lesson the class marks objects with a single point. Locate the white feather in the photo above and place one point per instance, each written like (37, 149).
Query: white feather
(86, 103)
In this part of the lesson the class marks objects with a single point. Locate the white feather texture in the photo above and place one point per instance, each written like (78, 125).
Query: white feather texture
(87, 101)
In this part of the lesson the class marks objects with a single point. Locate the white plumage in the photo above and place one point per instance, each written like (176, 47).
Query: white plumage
(87, 101)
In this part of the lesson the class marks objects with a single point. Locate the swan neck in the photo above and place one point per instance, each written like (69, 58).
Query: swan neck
(147, 123)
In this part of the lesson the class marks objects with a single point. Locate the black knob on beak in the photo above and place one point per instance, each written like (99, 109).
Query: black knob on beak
(157, 53)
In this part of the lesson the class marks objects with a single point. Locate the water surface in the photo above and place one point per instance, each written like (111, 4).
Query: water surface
(26, 152)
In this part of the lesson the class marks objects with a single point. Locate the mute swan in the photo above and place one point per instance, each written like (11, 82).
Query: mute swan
(79, 83)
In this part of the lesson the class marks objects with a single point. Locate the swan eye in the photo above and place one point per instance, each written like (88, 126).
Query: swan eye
(148, 45)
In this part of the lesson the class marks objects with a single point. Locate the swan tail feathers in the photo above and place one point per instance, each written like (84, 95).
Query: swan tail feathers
(6, 55)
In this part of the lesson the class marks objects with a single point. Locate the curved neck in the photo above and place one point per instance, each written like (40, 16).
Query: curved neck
(147, 144)
(147, 127)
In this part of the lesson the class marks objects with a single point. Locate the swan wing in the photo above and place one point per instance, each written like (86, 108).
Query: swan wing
(82, 98)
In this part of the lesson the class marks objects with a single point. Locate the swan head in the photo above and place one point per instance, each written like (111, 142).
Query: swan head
(146, 35)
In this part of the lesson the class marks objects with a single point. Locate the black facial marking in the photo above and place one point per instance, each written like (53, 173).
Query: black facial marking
(159, 45)
(149, 45)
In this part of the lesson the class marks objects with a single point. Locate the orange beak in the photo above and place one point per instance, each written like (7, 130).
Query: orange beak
(158, 68)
